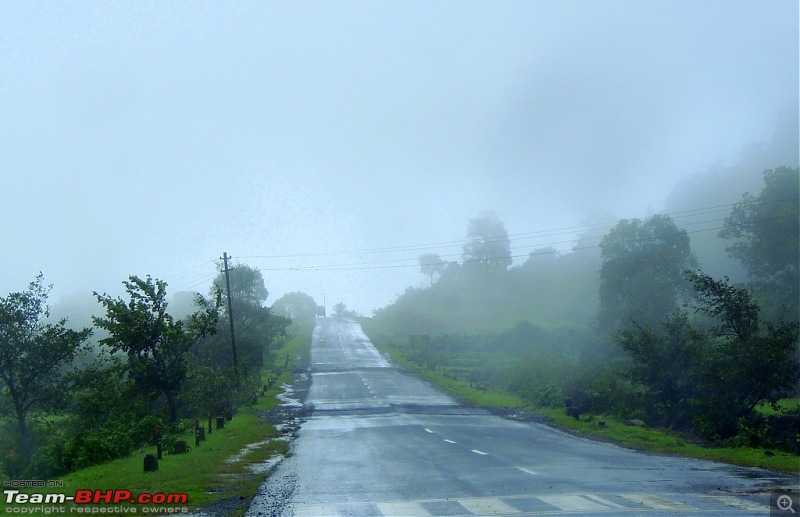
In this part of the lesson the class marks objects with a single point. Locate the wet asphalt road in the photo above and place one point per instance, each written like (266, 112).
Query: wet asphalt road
(380, 442)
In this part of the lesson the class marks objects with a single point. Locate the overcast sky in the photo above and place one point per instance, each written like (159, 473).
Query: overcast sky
(149, 137)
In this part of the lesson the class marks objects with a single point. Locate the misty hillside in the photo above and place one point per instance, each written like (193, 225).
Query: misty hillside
(559, 289)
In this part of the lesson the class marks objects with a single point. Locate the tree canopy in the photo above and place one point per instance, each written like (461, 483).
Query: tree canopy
(431, 264)
(642, 272)
(711, 378)
(765, 230)
(153, 341)
(488, 247)
(295, 305)
(247, 284)
(33, 354)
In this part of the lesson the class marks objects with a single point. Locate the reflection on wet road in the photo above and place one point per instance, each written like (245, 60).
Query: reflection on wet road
(380, 442)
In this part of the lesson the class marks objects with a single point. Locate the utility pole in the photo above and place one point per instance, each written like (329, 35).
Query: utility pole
(230, 317)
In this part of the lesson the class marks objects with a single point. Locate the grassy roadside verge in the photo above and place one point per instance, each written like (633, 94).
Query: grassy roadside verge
(615, 431)
(206, 474)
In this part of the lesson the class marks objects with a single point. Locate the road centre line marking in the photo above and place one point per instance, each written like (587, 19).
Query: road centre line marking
(527, 471)
(449, 441)
(476, 451)
(428, 430)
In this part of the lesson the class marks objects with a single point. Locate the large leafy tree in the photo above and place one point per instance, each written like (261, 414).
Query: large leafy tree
(748, 361)
(255, 327)
(34, 354)
(765, 230)
(713, 375)
(295, 305)
(154, 343)
(487, 247)
(642, 272)
(665, 361)
(247, 284)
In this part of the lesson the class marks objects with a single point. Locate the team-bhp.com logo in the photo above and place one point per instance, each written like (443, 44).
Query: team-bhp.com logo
(88, 501)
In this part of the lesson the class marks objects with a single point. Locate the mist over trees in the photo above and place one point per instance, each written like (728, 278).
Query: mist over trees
(488, 248)
(33, 356)
(765, 231)
(296, 306)
(723, 185)
(431, 264)
(627, 323)
(642, 272)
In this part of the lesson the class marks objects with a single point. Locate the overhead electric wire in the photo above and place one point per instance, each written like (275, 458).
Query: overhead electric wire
(413, 262)
(570, 230)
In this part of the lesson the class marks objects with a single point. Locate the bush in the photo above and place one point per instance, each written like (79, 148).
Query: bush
(550, 396)
(605, 390)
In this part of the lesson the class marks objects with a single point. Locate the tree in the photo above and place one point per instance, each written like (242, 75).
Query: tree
(712, 377)
(431, 264)
(747, 361)
(247, 284)
(340, 310)
(34, 354)
(295, 305)
(642, 272)
(765, 230)
(153, 341)
(665, 360)
(488, 247)
(254, 325)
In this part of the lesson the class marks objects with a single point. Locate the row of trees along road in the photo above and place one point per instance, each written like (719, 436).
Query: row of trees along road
(631, 326)
(75, 402)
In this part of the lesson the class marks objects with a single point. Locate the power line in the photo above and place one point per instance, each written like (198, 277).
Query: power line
(412, 262)
(570, 230)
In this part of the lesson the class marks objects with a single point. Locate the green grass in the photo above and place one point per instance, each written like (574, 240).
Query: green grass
(205, 473)
(785, 406)
(463, 391)
(615, 431)
(469, 393)
(659, 440)
(198, 473)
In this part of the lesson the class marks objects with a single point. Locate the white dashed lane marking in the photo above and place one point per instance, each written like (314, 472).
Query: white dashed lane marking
(428, 430)
(527, 471)
(449, 441)
(476, 451)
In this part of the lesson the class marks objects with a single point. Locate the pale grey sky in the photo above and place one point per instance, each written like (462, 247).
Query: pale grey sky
(149, 137)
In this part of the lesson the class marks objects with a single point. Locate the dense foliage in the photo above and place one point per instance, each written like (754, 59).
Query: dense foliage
(154, 344)
(33, 356)
(765, 230)
(149, 369)
(710, 378)
(624, 327)
(641, 275)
